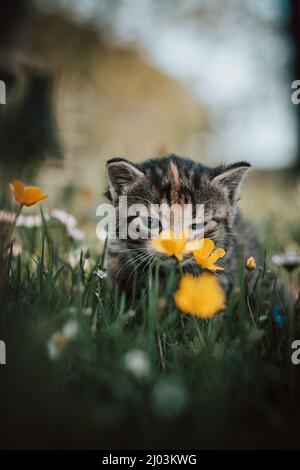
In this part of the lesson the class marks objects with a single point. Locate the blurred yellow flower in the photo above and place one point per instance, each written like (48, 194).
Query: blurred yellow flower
(251, 263)
(207, 255)
(26, 196)
(171, 244)
(201, 296)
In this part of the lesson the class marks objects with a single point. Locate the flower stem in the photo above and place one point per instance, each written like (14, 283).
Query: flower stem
(199, 331)
(4, 255)
(13, 225)
(180, 268)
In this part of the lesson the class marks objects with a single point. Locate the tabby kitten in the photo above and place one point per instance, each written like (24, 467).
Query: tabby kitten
(177, 180)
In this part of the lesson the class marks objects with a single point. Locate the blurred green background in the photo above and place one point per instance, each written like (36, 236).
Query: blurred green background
(91, 79)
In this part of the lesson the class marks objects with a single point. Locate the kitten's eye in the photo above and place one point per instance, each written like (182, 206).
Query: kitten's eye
(195, 226)
(151, 223)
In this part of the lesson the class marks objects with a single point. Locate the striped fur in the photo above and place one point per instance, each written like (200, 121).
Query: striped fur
(173, 179)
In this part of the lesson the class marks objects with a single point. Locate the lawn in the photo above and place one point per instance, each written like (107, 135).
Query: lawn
(86, 369)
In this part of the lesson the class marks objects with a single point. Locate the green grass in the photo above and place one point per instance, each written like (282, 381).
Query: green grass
(219, 383)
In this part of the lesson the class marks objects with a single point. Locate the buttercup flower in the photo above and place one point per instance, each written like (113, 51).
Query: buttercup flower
(201, 296)
(27, 196)
(207, 255)
(251, 263)
(171, 244)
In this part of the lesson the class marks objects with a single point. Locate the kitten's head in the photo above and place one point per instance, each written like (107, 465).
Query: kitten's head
(175, 180)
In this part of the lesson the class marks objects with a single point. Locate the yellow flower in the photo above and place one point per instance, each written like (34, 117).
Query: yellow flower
(170, 244)
(27, 196)
(207, 255)
(251, 263)
(201, 296)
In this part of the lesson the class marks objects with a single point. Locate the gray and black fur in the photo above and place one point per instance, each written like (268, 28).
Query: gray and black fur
(173, 179)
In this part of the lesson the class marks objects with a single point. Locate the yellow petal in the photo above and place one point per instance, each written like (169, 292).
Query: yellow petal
(27, 196)
(202, 260)
(251, 263)
(184, 297)
(173, 246)
(202, 296)
(193, 245)
(170, 244)
(158, 246)
(206, 257)
(212, 296)
(33, 196)
(183, 302)
(208, 246)
(18, 189)
(218, 253)
(213, 267)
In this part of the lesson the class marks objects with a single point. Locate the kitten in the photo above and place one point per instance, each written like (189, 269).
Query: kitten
(177, 180)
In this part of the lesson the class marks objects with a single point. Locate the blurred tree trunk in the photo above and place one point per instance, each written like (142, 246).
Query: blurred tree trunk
(15, 24)
(294, 32)
(14, 27)
(27, 122)
(27, 125)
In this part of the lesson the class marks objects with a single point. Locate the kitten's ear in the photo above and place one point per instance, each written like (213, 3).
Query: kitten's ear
(121, 174)
(230, 178)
